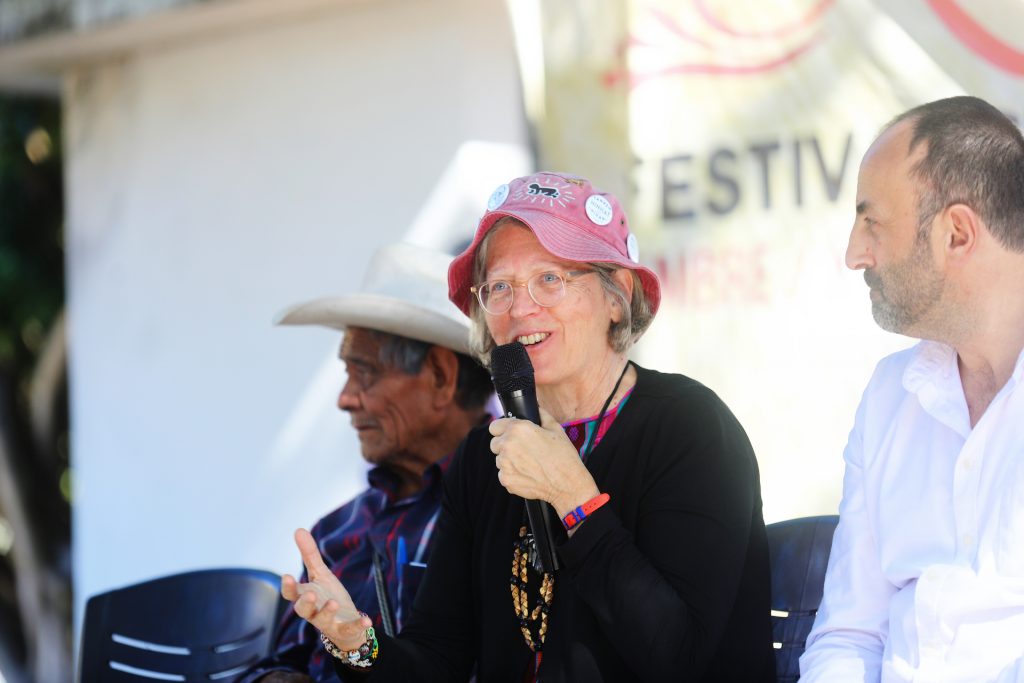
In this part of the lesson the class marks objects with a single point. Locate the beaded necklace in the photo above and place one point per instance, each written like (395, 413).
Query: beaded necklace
(533, 623)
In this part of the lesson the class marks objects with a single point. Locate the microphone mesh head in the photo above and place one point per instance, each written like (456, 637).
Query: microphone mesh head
(511, 369)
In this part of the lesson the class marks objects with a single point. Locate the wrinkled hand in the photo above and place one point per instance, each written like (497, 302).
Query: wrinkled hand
(323, 601)
(539, 462)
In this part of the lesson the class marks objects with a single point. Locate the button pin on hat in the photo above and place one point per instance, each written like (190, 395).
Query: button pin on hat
(570, 219)
(632, 248)
(599, 209)
(497, 197)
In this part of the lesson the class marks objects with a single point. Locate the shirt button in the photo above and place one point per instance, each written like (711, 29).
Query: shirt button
(968, 540)
(968, 464)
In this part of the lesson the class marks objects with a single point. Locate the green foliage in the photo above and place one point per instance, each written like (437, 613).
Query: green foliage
(31, 235)
(31, 296)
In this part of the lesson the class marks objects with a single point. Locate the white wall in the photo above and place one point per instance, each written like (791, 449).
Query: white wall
(210, 185)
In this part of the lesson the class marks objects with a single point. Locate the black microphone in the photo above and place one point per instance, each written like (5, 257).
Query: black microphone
(512, 375)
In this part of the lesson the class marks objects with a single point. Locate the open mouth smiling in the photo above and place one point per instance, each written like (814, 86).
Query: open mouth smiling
(531, 339)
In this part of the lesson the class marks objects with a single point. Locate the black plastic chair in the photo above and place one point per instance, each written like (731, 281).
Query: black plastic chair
(207, 625)
(799, 550)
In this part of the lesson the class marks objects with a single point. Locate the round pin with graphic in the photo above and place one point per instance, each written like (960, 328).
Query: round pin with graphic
(633, 248)
(498, 197)
(599, 209)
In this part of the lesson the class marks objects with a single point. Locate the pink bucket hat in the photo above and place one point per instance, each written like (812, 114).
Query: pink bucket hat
(571, 220)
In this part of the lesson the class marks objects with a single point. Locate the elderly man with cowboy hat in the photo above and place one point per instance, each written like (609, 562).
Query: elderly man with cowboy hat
(412, 394)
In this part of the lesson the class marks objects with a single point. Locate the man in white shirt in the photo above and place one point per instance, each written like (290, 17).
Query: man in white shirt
(926, 577)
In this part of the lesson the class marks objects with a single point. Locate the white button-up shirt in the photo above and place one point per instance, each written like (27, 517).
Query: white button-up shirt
(926, 577)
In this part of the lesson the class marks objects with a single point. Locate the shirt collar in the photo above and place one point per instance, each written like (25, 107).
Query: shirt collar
(384, 480)
(1018, 369)
(932, 362)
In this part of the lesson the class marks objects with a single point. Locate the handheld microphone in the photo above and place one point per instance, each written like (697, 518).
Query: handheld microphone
(512, 375)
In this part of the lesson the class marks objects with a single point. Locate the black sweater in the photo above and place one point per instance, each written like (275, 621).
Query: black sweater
(669, 581)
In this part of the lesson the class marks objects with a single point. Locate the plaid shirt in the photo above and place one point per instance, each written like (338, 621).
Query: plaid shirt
(348, 539)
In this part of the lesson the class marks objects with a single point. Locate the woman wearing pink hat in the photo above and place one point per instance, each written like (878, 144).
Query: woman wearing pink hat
(663, 558)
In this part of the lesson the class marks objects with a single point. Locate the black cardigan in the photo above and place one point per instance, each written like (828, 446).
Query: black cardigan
(667, 582)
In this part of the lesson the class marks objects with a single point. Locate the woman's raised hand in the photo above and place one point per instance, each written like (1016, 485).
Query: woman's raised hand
(540, 463)
(323, 600)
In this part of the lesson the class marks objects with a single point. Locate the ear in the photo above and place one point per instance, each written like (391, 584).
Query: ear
(961, 228)
(624, 278)
(442, 368)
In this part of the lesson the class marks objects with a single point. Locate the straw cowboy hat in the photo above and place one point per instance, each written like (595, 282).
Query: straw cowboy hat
(404, 292)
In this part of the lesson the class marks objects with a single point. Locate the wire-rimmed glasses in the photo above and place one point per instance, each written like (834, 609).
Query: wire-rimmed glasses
(546, 289)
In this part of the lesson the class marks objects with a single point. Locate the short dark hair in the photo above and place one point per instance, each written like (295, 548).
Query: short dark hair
(472, 385)
(974, 156)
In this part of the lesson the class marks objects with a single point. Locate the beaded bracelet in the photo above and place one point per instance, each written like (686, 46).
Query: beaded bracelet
(362, 657)
(572, 520)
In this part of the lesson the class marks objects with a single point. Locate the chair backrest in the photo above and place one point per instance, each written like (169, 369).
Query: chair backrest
(799, 550)
(207, 625)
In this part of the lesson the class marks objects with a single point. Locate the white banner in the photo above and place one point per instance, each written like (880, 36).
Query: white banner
(734, 130)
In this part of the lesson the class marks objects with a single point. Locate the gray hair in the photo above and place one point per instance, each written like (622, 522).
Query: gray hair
(472, 384)
(636, 313)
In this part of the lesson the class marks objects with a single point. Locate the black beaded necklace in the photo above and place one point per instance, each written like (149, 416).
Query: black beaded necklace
(533, 623)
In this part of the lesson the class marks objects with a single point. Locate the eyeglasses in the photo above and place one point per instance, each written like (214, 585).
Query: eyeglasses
(546, 289)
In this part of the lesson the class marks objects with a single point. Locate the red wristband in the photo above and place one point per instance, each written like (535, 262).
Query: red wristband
(572, 519)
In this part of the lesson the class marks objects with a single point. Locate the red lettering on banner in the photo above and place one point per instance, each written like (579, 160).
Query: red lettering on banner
(706, 277)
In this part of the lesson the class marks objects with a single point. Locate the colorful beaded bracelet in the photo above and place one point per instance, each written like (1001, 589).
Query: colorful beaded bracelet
(363, 656)
(571, 520)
